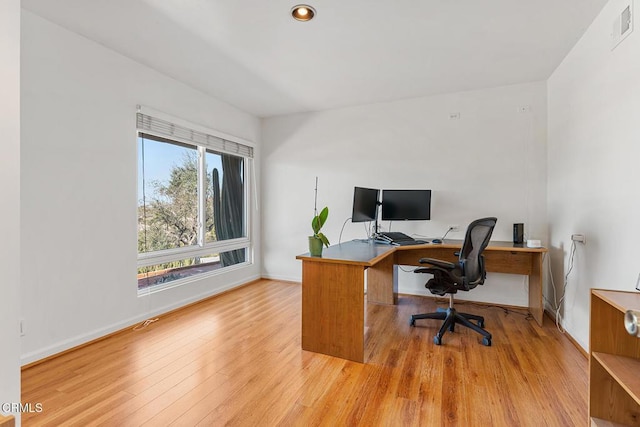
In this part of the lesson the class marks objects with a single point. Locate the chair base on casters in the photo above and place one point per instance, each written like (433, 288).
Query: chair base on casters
(451, 317)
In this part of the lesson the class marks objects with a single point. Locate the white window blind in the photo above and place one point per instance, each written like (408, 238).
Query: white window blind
(160, 127)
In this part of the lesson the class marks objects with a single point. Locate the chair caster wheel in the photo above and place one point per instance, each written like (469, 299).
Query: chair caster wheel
(437, 340)
(486, 341)
(412, 321)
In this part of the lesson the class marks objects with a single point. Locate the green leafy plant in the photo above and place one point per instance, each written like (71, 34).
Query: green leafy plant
(316, 224)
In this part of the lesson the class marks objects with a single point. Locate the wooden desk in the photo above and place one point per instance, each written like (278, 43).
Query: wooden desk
(333, 286)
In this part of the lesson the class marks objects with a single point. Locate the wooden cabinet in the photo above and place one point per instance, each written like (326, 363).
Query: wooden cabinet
(614, 363)
(7, 421)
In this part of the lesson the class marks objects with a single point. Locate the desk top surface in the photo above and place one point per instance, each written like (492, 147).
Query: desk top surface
(357, 252)
(367, 253)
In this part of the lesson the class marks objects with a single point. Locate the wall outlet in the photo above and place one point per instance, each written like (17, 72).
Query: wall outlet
(579, 238)
(454, 228)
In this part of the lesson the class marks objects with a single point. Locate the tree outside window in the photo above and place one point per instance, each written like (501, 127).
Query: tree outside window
(184, 192)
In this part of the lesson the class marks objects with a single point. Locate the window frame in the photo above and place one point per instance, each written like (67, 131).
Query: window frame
(201, 248)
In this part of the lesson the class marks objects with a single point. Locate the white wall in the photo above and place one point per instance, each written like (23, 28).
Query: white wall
(594, 146)
(490, 161)
(10, 196)
(79, 186)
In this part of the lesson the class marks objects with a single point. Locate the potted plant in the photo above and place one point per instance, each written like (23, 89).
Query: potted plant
(318, 239)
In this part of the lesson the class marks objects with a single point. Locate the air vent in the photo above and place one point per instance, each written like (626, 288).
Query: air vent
(622, 26)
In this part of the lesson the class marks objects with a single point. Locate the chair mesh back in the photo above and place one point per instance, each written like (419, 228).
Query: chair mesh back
(475, 241)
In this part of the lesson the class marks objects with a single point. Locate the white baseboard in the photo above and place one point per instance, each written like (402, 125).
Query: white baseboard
(283, 278)
(76, 341)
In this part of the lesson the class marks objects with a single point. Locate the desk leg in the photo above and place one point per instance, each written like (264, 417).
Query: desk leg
(382, 283)
(536, 307)
(333, 309)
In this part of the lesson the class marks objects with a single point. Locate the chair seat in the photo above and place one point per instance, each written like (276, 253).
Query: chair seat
(438, 287)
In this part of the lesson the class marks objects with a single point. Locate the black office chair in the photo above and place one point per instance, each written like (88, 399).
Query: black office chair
(466, 274)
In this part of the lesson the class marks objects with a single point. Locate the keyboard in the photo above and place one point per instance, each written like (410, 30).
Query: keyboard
(409, 242)
(393, 236)
(399, 239)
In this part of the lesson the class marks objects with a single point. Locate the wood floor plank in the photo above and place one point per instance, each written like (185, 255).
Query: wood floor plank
(236, 359)
(166, 391)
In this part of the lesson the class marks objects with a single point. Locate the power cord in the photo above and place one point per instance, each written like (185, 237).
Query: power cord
(527, 315)
(506, 310)
(370, 229)
(557, 306)
(553, 285)
(445, 234)
(145, 324)
(367, 229)
(342, 229)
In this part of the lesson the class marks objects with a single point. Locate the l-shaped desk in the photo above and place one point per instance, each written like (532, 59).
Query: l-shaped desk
(333, 286)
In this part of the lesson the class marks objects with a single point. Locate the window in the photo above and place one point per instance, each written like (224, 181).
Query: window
(192, 203)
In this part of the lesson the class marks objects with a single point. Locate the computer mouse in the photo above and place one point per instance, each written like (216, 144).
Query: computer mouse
(436, 241)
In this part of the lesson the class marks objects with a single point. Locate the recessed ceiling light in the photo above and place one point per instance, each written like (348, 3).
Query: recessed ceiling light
(303, 12)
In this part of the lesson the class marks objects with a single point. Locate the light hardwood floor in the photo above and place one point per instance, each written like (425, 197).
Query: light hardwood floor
(235, 359)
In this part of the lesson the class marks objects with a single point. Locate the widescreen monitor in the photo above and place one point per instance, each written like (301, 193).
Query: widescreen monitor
(406, 205)
(365, 204)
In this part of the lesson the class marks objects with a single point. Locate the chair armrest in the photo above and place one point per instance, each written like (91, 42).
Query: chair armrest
(438, 263)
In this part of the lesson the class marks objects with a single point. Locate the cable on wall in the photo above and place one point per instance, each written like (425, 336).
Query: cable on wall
(445, 234)
(342, 229)
(557, 306)
(367, 229)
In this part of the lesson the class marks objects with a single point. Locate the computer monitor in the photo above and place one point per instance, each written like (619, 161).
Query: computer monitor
(365, 204)
(406, 205)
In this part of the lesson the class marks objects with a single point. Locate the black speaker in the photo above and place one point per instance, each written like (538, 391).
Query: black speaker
(518, 233)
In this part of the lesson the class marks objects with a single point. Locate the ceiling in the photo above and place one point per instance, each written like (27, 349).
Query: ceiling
(254, 56)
